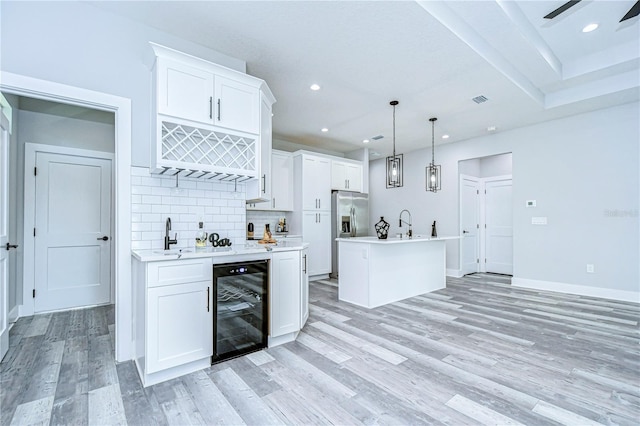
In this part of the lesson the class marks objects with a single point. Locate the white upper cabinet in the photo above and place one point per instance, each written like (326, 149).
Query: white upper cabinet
(184, 91)
(281, 184)
(316, 182)
(237, 106)
(259, 191)
(346, 176)
(209, 119)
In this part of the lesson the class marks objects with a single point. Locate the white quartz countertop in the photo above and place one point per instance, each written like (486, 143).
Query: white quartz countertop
(251, 247)
(395, 240)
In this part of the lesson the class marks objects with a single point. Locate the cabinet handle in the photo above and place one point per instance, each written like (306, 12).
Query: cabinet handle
(273, 203)
(319, 206)
(210, 106)
(208, 299)
(346, 183)
(218, 109)
(304, 270)
(264, 183)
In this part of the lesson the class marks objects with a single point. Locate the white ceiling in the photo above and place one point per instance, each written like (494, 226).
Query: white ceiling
(432, 56)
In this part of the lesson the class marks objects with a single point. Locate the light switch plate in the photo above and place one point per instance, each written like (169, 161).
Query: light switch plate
(541, 220)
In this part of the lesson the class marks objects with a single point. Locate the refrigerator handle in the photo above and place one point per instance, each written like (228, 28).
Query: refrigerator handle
(354, 230)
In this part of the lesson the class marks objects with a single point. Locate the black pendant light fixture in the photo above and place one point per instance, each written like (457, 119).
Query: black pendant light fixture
(433, 169)
(394, 163)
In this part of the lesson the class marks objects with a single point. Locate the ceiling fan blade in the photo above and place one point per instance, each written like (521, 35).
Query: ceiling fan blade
(561, 9)
(633, 12)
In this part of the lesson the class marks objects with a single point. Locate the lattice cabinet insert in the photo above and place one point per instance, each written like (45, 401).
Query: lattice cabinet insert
(208, 150)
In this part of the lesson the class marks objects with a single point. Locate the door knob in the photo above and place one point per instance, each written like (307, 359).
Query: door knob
(465, 232)
(10, 246)
(105, 238)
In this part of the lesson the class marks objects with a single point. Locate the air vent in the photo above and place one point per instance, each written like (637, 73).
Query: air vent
(480, 99)
(377, 138)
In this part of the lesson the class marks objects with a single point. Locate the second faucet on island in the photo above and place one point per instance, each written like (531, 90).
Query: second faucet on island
(400, 221)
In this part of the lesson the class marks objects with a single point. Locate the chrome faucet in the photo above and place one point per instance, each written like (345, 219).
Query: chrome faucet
(410, 233)
(167, 240)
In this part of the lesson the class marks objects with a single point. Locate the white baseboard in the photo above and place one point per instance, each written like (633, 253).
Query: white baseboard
(14, 314)
(581, 290)
(455, 273)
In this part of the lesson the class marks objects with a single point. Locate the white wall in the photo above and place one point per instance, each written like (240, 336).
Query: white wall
(80, 45)
(36, 127)
(583, 172)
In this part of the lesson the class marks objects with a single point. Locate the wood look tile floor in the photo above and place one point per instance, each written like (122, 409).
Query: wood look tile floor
(477, 352)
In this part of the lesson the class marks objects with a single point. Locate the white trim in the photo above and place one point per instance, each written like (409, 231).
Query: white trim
(14, 314)
(455, 273)
(581, 290)
(121, 107)
(28, 268)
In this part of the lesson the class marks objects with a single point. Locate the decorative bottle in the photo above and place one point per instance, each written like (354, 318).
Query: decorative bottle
(382, 228)
(201, 236)
(434, 233)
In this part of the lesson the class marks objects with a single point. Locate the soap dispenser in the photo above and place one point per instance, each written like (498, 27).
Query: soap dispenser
(201, 236)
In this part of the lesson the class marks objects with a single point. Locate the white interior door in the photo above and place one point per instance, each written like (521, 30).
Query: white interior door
(499, 223)
(73, 231)
(4, 238)
(469, 224)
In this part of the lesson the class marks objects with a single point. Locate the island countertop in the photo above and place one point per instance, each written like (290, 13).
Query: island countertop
(396, 240)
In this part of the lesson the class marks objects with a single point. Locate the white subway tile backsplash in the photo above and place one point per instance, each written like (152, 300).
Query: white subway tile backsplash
(154, 198)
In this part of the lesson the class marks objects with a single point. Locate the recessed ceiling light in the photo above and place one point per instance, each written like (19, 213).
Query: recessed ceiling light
(324, 129)
(445, 136)
(589, 28)
(314, 87)
(365, 141)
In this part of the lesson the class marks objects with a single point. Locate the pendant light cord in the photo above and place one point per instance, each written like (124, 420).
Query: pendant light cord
(433, 140)
(433, 147)
(394, 133)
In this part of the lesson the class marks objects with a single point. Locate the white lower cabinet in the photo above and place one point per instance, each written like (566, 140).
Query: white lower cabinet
(284, 294)
(179, 325)
(316, 230)
(173, 318)
(304, 287)
(173, 324)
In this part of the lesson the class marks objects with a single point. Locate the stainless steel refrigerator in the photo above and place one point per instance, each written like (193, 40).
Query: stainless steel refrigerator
(349, 218)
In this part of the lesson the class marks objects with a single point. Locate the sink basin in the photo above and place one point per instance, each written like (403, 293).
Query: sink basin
(172, 251)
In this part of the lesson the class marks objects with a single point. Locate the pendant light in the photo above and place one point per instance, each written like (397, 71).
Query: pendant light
(394, 163)
(433, 169)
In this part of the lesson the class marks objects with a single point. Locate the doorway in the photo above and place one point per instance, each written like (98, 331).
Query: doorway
(486, 215)
(120, 107)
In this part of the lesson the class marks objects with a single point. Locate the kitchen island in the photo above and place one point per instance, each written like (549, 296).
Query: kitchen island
(375, 272)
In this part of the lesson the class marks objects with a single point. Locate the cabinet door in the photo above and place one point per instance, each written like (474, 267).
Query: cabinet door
(285, 293)
(179, 325)
(304, 287)
(353, 176)
(184, 92)
(282, 182)
(316, 230)
(338, 176)
(237, 105)
(316, 183)
(260, 189)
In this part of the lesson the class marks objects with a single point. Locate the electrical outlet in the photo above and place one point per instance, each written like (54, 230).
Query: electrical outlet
(590, 268)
